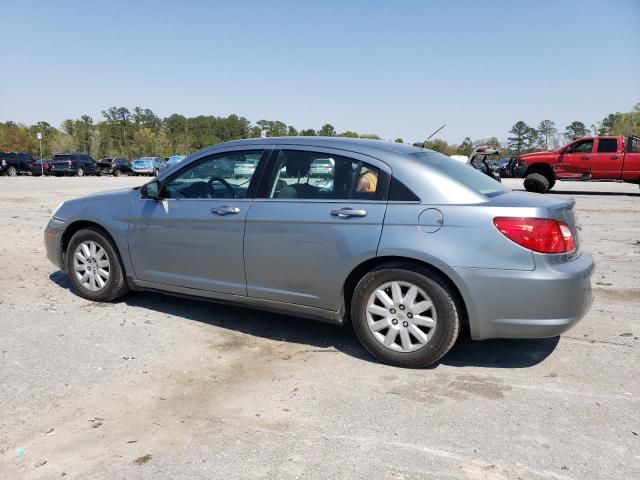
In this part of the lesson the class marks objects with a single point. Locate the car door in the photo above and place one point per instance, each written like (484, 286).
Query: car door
(192, 237)
(304, 234)
(606, 160)
(575, 160)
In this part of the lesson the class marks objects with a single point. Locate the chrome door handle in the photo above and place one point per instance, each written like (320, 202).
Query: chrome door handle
(348, 212)
(225, 210)
(615, 157)
(585, 158)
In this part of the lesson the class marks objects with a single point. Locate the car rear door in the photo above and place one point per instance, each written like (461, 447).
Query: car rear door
(193, 236)
(606, 159)
(575, 160)
(304, 235)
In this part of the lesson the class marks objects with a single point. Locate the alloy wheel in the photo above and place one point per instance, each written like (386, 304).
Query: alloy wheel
(401, 316)
(91, 265)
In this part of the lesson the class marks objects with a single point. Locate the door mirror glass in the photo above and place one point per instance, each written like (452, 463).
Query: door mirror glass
(151, 190)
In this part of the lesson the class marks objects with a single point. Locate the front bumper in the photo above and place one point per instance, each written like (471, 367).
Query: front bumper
(519, 171)
(53, 244)
(541, 303)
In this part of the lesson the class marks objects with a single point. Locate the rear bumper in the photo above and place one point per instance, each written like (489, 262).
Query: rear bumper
(544, 302)
(63, 171)
(143, 171)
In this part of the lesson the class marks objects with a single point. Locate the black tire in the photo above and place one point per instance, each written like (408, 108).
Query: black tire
(80, 172)
(552, 182)
(444, 300)
(12, 171)
(117, 173)
(536, 182)
(156, 172)
(116, 285)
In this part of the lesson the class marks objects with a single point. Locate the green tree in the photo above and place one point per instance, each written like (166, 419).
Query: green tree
(575, 130)
(370, 136)
(309, 132)
(546, 129)
(627, 123)
(292, 132)
(348, 134)
(520, 133)
(466, 147)
(273, 128)
(399, 140)
(327, 130)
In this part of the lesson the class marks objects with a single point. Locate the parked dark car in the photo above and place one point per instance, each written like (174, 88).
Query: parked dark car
(41, 167)
(13, 163)
(114, 166)
(78, 164)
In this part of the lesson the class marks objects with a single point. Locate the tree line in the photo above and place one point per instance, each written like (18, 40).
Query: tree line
(136, 132)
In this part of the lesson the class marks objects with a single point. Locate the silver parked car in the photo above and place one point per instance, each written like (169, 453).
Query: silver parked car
(406, 244)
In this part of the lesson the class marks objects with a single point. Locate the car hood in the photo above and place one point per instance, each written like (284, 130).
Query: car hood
(98, 207)
(536, 154)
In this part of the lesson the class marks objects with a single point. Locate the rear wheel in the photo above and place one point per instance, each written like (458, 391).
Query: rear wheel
(536, 182)
(405, 316)
(12, 171)
(94, 266)
(156, 172)
(117, 173)
(80, 172)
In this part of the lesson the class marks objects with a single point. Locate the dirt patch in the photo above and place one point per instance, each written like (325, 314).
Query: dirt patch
(457, 387)
(619, 294)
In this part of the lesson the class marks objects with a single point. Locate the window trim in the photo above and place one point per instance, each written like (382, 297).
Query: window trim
(253, 184)
(268, 176)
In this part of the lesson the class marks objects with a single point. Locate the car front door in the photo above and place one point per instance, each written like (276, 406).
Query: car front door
(606, 161)
(305, 233)
(192, 237)
(575, 160)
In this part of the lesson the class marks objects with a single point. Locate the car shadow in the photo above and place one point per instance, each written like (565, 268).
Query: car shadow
(285, 328)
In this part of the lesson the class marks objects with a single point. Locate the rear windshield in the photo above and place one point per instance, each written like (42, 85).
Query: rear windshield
(463, 173)
(61, 157)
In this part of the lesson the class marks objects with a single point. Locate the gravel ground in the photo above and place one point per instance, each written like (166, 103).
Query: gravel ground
(159, 387)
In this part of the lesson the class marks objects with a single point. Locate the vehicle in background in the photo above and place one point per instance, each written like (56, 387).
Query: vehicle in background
(601, 158)
(322, 167)
(14, 163)
(433, 249)
(245, 169)
(114, 166)
(482, 158)
(148, 166)
(41, 167)
(506, 166)
(78, 164)
(173, 159)
(460, 158)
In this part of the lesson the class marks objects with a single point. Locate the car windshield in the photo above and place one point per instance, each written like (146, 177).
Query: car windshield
(465, 174)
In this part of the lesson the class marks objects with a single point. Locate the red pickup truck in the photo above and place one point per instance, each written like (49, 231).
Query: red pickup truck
(604, 158)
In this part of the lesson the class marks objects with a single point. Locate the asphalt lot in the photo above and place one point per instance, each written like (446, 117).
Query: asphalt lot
(162, 387)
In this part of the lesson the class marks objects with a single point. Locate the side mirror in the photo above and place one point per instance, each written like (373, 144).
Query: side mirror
(151, 190)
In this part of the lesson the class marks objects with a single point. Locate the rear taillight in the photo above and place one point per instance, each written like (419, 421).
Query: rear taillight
(540, 235)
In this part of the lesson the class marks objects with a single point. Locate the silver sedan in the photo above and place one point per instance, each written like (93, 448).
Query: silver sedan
(405, 244)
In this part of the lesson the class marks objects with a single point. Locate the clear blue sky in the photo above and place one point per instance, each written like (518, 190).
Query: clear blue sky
(399, 69)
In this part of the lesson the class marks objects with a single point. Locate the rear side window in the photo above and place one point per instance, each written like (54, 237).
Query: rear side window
(61, 158)
(463, 173)
(315, 175)
(607, 145)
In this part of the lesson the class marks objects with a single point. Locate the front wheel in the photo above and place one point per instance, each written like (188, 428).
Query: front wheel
(405, 316)
(80, 172)
(94, 267)
(536, 182)
(117, 173)
(156, 172)
(12, 171)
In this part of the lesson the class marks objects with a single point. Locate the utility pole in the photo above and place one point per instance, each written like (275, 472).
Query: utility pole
(39, 136)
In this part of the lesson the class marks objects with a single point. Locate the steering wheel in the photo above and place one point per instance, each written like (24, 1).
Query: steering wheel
(221, 180)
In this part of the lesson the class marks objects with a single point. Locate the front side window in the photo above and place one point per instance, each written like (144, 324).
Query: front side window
(607, 145)
(315, 175)
(225, 175)
(586, 146)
